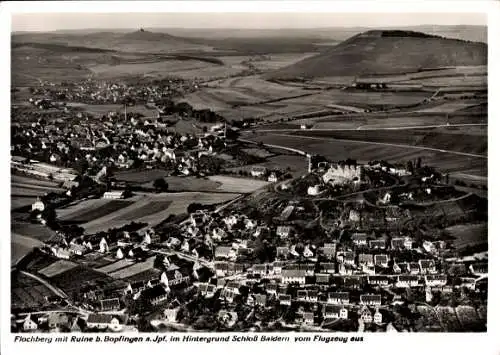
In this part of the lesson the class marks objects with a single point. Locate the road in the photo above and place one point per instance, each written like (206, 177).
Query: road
(369, 128)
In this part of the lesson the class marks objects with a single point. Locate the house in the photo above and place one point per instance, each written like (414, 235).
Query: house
(135, 287)
(57, 320)
(258, 171)
(114, 195)
(365, 260)
(413, 268)
(322, 278)
(307, 252)
(234, 287)
(261, 231)
(155, 295)
(338, 298)
(365, 315)
(327, 268)
(407, 281)
(77, 249)
(282, 252)
(103, 246)
(38, 205)
(225, 252)
(435, 280)
(398, 243)
(259, 300)
(429, 247)
(29, 324)
(103, 321)
(333, 311)
(308, 318)
(301, 295)
(408, 243)
(221, 268)
(312, 296)
(396, 268)
(354, 216)
(347, 257)
(370, 300)
(329, 250)
(259, 269)
(272, 178)
(360, 239)
(110, 304)
(314, 190)
(283, 231)
(381, 260)
(287, 212)
(170, 314)
(427, 266)
(272, 289)
(353, 283)
(378, 280)
(293, 276)
(285, 300)
(377, 317)
(227, 295)
(207, 290)
(479, 269)
(61, 253)
(377, 244)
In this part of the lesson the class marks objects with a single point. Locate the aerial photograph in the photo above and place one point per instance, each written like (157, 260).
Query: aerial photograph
(249, 172)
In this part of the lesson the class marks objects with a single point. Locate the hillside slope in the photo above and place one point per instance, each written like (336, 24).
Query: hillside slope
(384, 52)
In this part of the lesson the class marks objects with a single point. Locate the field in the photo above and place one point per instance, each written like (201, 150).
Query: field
(114, 266)
(103, 109)
(236, 184)
(25, 190)
(21, 245)
(428, 137)
(73, 280)
(133, 269)
(448, 107)
(471, 235)
(35, 231)
(148, 207)
(27, 292)
(56, 268)
(91, 209)
(340, 150)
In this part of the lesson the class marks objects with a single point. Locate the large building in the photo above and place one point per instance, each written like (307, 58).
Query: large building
(342, 174)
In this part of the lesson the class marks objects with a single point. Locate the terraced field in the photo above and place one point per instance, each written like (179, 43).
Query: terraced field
(91, 209)
(57, 268)
(27, 292)
(148, 207)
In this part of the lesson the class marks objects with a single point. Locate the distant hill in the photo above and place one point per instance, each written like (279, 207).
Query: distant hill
(385, 52)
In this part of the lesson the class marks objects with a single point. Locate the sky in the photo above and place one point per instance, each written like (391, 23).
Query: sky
(272, 20)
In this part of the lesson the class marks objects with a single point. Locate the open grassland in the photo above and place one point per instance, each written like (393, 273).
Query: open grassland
(340, 150)
(27, 292)
(96, 208)
(147, 206)
(56, 268)
(140, 176)
(20, 201)
(469, 234)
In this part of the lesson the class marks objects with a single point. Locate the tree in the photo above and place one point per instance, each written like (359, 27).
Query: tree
(160, 184)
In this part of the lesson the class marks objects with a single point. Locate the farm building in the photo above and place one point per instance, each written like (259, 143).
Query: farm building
(371, 300)
(114, 195)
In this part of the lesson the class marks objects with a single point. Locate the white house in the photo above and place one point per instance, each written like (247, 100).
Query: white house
(114, 195)
(407, 281)
(258, 171)
(119, 254)
(335, 312)
(29, 324)
(377, 317)
(103, 246)
(293, 276)
(38, 205)
(103, 321)
(435, 280)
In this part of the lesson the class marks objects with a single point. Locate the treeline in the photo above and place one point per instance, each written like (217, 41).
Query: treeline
(185, 109)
